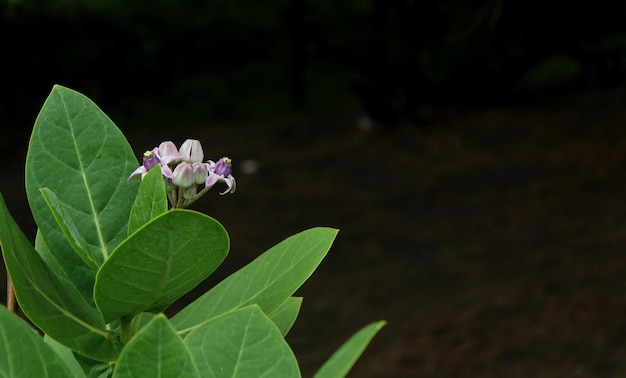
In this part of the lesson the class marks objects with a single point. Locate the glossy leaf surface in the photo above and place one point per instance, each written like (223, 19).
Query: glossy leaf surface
(23, 353)
(241, 343)
(155, 351)
(345, 357)
(285, 315)
(66, 355)
(77, 152)
(150, 202)
(267, 281)
(159, 263)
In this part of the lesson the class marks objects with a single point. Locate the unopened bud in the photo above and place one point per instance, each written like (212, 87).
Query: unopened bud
(191, 150)
(200, 173)
(183, 175)
(189, 193)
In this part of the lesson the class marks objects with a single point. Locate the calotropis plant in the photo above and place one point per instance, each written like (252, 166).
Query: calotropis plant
(110, 256)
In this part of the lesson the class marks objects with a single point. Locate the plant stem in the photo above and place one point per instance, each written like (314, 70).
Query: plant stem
(179, 204)
(126, 329)
(134, 325)
(172, 197)
(200, 194)
(10, 295)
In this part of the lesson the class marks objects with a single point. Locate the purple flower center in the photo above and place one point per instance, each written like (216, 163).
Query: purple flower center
(151, 159)
(223, 167)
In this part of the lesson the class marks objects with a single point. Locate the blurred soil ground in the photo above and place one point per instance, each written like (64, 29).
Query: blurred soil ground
(492, 242)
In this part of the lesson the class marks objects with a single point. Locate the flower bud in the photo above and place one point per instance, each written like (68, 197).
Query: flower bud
(200, 173)
(191, 151)
(183, 175)
(169, 186)
(189, 193)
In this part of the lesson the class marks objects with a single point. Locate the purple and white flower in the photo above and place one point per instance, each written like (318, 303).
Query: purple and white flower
(221, 172)
(165, 154)
(150, 160)
(183, 171)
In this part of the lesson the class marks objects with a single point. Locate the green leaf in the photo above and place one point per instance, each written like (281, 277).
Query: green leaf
(241, 343)
(23, 352)
(344, 358)
(267, 281)
(49, 301)
(77, 152)
(83, 276)
(66, 355)
(159, 263)
(155, 351)
(285, 316)
(95, 369)
(150, 202)
(69, 229)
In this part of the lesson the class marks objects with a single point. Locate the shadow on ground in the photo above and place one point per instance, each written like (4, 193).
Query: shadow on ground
(492, 244)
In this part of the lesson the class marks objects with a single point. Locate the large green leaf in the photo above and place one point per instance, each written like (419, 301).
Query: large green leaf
(77, 152)
(50, 302)
(23, 353)
(151, 200)
(344, 358)
(66, 355)
(285, 315)
(267, 281)
(159, 263)
(156, 351)
(241, 343)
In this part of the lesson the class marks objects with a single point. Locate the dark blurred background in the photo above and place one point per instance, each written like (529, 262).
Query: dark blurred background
(470, 152)
(195, 61)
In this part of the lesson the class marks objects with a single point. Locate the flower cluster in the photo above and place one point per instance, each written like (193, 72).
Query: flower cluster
(184, 170)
